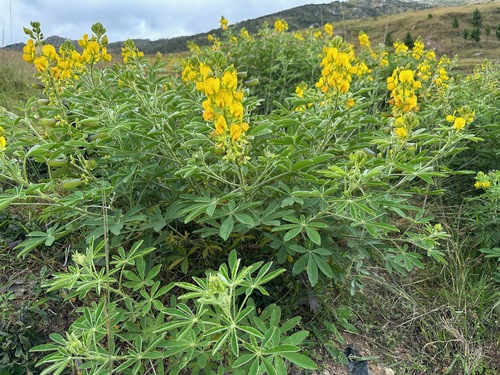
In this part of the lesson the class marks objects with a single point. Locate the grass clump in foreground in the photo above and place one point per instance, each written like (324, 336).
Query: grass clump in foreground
(189, 219)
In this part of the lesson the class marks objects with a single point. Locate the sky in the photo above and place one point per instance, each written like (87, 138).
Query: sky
(124, 19)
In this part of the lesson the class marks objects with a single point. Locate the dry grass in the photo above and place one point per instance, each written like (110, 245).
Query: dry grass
(437, 30)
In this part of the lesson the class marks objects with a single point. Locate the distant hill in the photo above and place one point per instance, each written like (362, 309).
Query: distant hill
(429, 18)
(302, 17)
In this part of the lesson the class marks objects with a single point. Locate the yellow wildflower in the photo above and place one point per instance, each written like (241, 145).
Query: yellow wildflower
(3, 143)
(280, 25)
(236, 130)
(482, 184)
(364, 40)
(29, 51)
(328, 28)
(220, 125)
(41, 63)
(223, 23)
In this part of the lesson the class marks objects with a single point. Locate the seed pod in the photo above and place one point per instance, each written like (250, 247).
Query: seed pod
(71, 184)
(48, 122)
(43, 101)
(251, 83)
(101, 135)
(241, 75)
(38, 86)
(410, 146)
(90, 122)
(58, 162)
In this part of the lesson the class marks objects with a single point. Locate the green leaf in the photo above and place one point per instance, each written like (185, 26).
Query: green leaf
(243, 359)
(300, 264)
(226, 228)
(323, 265)
(269, 367)
(245, 219)
(292, 233)
(296, 338)
(313, 235)
(312, 271)
(300, 360)
(285, 348)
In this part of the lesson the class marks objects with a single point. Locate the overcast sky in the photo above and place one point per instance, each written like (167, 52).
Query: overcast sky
(124, 19)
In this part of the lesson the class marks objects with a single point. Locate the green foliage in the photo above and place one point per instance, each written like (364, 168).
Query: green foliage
(455, 23)
(477, 19)
(138, 173)
(408, 40)
(465, 34)
(475, 35)
(127, 328)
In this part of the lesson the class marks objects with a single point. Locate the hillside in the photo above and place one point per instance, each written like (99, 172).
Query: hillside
(430, 19)
(435, 26)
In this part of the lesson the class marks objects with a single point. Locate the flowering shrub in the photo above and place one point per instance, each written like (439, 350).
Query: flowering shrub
(293, 148)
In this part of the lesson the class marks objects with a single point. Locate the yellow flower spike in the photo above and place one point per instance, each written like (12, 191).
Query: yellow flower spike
(280, 25)
(223, 23)
(364, 40)
(328, 28)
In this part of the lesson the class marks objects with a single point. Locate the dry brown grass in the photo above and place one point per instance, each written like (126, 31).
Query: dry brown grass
(437, 30)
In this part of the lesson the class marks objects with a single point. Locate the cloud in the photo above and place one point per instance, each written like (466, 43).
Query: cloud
(123, 19)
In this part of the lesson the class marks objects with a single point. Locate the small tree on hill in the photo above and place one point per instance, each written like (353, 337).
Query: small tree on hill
(475, 34)
(477, 19)
(487, 32)
(408, 40)
(465, 34)
(498, 32)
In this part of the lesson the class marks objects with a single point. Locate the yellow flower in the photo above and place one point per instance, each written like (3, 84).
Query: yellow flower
(3, 143)
(105, 55)
(83, 42)
(49, 51)
(220, 125)
(208, 113)
(29, 51)
(364, 40)
(401, 132)
(482, 184)
(41, 63)
(236, 109)
(223, 23)
(328, 29)
(459, 123)
(406, 76)
(349, 103)
(230, 79)
(280, 25)
(236, 130)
